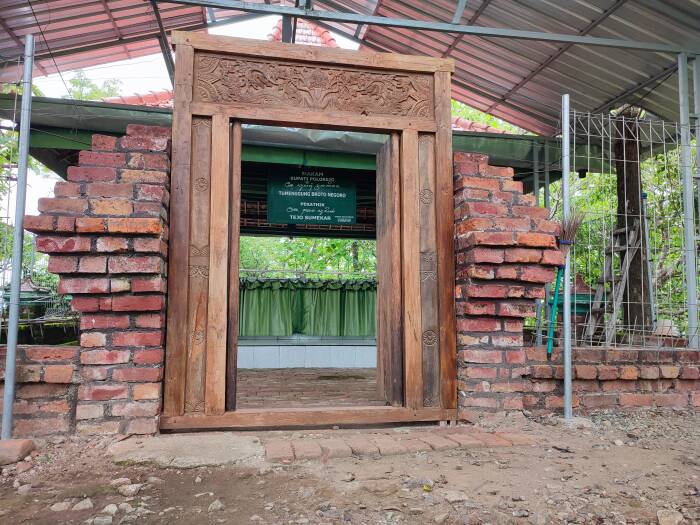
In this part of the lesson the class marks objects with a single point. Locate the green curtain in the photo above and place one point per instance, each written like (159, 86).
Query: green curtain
(283, 307)
(359, 313)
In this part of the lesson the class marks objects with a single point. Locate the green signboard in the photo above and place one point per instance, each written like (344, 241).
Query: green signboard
(311, 196)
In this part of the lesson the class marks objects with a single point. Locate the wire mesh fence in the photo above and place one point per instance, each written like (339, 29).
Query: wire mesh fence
(628, 261)
(44, 315)
(8, 179)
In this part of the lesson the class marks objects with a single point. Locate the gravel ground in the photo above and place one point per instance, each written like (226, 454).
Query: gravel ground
(616, 468)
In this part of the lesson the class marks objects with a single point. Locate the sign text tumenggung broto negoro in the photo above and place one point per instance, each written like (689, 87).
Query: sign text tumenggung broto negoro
(311, 196)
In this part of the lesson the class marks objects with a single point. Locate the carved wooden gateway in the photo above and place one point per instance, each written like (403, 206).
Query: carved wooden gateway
(222, 83)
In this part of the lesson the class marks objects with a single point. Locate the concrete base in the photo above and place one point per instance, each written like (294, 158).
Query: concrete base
(190, 450)
(14, 450)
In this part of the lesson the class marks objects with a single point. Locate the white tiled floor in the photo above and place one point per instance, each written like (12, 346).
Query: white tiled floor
(311, 356)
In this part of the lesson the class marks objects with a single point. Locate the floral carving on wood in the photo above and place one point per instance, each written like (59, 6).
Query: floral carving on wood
(275, 83)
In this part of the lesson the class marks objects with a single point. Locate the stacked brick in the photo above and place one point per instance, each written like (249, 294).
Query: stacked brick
(106, 233)
(607, 378)
(46, 389)
(506, 250)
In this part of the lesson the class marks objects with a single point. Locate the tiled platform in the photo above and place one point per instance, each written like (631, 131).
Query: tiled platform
(304, 387)
(286, 451)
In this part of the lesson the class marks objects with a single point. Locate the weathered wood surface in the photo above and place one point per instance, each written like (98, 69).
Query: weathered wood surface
(410, 264)
(319, 55)
(295, 417)
(234, 260)
(178, 261)
(322, 119)
(444, 206)
(389, 314)
(217, 311)
(198, 278)
(428, 271)
(409, 99)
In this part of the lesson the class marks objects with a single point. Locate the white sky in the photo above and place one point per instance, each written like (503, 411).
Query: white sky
(139, 75)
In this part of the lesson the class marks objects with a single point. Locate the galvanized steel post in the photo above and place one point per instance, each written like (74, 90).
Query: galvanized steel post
(18, 239)
(689, 231)
(565, 160)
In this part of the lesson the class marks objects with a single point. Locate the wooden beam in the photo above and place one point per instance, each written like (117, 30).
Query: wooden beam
(314, 118)
(178, 261)
(296, 417)
(428, 256)
(410, 262)
(389, 282)
(444, 206)
(234, 263)
(257, 48)
(217, 311)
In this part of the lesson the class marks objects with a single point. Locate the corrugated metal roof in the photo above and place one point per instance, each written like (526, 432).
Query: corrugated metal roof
(519, 81)
(126, 29)
(522, 81)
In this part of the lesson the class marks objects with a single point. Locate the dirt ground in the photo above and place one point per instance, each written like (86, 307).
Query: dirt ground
(639, 467)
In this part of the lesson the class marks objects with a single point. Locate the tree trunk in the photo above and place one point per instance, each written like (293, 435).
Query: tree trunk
(636, 299)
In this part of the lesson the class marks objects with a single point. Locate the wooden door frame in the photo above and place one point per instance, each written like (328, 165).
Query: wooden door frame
(415, 108)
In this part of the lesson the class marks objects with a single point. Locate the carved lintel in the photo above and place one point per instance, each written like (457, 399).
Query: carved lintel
(278, 83)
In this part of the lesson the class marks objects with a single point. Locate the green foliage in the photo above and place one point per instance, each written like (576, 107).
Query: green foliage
(295, 255)
(469, 113)
(596, 197)
(34, 264)
(80, 87)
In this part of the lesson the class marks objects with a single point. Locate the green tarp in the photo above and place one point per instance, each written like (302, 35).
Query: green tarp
(284, 307)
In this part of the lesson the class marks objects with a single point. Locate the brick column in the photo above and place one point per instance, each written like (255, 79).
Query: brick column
(106, 232)
(506, 250)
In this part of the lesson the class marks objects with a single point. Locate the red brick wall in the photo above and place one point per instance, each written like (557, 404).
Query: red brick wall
(612, 378)
(506, 251)
(46, 389)
(106, 232)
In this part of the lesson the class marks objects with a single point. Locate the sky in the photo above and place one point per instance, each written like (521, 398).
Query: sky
(139, 75)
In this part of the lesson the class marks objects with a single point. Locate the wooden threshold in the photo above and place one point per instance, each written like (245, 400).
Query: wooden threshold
(305, 417)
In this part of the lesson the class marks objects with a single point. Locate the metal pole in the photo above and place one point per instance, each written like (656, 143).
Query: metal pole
(442, 27)
(547, 311)
(536, 171)
(18, 239)
(163, 41)
(691, 278)
(568, 406)
(650, 262)
(696, 116)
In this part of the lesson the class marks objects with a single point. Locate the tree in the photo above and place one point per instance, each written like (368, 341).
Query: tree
(309, 257)
(469, 113)
(596, 197)
(80, 87)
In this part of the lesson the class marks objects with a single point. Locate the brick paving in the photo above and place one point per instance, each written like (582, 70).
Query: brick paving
(304, 387)
(279, 450)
